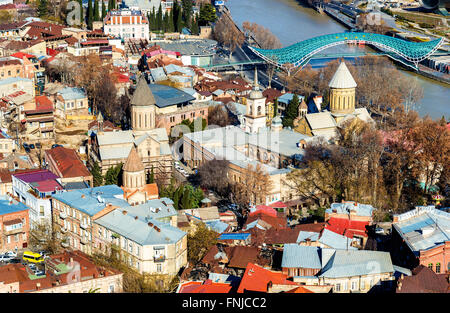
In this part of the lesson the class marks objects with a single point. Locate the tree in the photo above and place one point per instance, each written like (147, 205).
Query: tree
(218, 115)
(177, 15)
(113, 175)
(227, 33)
(187, 12)
(97, 175)
(199, 243)
(44, 236)
(159, 18)
(171, 22)
(152, 176)
(207, 14)
(214, 175)
(42, 8)
(80, 2)
(291, 112)
(103, 10)
(194, 27)
(5, 17)
(90, 14)
(96, 11)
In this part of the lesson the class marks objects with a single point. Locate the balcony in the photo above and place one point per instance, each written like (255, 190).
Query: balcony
(84, 225)
(159, 258)
(83, 240)
(14, 231)
(63, 215)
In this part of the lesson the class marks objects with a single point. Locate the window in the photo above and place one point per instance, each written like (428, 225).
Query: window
(344, 287)
(158, 268)
(354, 285)
(337, 287)
(111, 289)
(130, 247)
(137, 250)
(41, 211)
(438, 268)
(430, 266)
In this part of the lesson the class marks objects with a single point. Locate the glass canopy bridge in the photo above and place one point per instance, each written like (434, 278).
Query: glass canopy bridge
(298, 55)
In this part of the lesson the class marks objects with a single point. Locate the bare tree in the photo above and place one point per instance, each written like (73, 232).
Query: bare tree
(214, 175)
(226, 33)
(218, 115)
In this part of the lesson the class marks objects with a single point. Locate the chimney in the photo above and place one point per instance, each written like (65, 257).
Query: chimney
(315, 221)
(38, 286)
(356, 203)
(150, 224)
(71, 260)
(124, 212)
(136, 217)
(83, 196)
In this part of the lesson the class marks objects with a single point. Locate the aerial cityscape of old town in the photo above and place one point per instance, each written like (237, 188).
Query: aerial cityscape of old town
(225, 147)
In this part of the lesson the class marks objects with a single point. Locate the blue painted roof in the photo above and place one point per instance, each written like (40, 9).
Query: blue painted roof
(152, 209)
(343, 263)
(217, 226)
(15, 206)
(335, 241)
(11, 80)
(296, 256)
(234, 236)
(167, 96)
(91, 204)
(139, 230)
(72, 93)
(303, 235)
(343, 208)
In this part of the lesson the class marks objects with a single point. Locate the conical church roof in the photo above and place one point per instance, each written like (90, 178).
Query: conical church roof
(142, 96)
(133, 163)
(342, 78)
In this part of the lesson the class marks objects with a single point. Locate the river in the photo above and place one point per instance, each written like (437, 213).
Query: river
(292, 22)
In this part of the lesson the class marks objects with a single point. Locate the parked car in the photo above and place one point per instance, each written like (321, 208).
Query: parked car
(11, 254)
(15, 261)
(32, 146)
(5, 258)
(56, 145)
(39, 273)
(32, 267)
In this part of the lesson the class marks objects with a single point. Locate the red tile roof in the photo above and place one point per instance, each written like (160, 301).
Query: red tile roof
(206, 287)
(423, 280)
(257, 278)
(67, 162)
(21, 55)
(265, 210)
(43, 103)
(242, 256)
(346, 227)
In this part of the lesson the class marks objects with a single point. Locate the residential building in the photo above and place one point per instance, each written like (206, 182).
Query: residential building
(14, 84)
(346, 270)
(14, 224)
(422, 237)
(145, 243)
(67, 272)
(39, 120)
(34, 188)
(193, 51)
(71, 101)
(7, 144)
(207, 286)
(126, 24)
(74, 212)
(68, 166)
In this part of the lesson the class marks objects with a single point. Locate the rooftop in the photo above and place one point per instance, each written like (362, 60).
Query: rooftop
(257, 278)
(9, 205)
(342, 78)
(345, 208)
(166, 96)
(295, 256)
(67, 162)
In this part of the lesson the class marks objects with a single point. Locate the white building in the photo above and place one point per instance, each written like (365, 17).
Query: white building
(34, 189)
(126, 24)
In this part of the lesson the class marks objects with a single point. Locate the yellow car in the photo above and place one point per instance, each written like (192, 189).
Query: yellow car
(32, 257)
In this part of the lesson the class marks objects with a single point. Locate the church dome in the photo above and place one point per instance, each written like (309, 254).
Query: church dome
(256, 94)
(342, 78)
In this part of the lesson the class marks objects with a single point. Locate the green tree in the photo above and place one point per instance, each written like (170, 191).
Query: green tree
(159, 18)
(275, 107)
(178, 17)
(207, 14)
(97, 175)
(200, 242)
(152, 177)
(112, 176)
(187, 12)
(81, 12)
(42, 8)
(291, 112)
(103, 10)
(90, 14)
(194, 27)
(166, 22)
(171, 26)
(96, 11)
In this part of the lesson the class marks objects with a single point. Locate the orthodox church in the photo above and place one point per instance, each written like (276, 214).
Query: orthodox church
(341, 108)
(144, 141)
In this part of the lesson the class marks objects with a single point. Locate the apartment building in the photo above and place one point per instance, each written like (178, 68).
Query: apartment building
(39, 120)
(34, 188)
(14, 224)
(72, 101)
(126, 24)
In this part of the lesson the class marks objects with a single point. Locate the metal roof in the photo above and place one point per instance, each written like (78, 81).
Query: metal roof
(351, 263)
(303, 235)
(343, 208)
(234, 236)
(167, 96)
(93, 200)
(9, 205)
(139, 230)
(295, 256)
(342, 78)
(335, 241)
